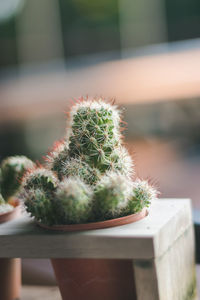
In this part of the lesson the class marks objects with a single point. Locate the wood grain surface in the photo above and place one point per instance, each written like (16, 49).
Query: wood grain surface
(168, 220)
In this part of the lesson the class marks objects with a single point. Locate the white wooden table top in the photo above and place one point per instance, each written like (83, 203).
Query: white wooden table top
(168, 219)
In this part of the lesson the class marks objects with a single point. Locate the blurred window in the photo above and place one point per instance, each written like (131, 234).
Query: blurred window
(89, 27)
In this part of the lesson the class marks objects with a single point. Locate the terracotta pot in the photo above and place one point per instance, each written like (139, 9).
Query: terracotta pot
(96, 279)
(99, 225)
(10, 268)
(10, 278)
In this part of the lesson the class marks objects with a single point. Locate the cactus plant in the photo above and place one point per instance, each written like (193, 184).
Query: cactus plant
(12, 169)
(38, 187)
(73, 201)
(88, 176)
(56, 157)
(94, 132)
(78, 167)
(40, 178)
(111, 195)
(39, 204)
(120, 160)
(142, 196)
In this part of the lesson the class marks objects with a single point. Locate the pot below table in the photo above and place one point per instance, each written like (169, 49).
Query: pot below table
(10, 268)
(95, 279)
(10, 278)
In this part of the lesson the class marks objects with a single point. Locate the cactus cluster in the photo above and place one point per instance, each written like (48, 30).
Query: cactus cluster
(11, 171)
(88, 176)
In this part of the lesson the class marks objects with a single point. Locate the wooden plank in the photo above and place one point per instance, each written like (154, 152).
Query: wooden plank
(171, 276)
(140, 240)
(146, 279)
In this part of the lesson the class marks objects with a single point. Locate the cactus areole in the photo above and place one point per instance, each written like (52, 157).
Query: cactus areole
(88, 176)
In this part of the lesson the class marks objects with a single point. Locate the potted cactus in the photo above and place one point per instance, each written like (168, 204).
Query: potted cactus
(11, 170)
(87, 182)
(88, 176)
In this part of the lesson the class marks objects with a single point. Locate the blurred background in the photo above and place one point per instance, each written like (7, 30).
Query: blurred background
(146, 54)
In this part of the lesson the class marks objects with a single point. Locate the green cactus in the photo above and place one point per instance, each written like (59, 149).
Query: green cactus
(77, 167)
(73, 201)
(12, 170)
(39, 204)
(40, 178)
(57, 156)
(88, 176)
(39, 186)
(121, 161)
(111, 196)
(142, 196)
(94, 132)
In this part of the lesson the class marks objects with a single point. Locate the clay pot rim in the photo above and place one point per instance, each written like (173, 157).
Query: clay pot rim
(98, 225)
(7, 216)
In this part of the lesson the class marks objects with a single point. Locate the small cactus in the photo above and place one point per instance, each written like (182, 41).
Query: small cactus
(57, 156)
(142, 196)
(39, 185)
(40, 178)
(94, 132)
(77, 167)
(39, 204)
(111, 195)
(73, 201)
(12, 169)
(121, 161)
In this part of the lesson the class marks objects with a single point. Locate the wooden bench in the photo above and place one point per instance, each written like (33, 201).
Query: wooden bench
(159, 247)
